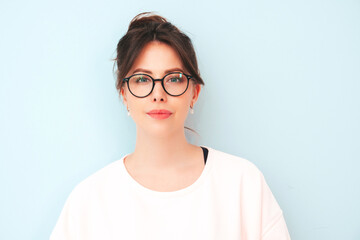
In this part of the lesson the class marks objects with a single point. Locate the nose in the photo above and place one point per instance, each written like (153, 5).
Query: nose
(158, 94)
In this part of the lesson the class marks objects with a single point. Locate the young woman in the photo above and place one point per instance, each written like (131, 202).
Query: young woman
(168, 188)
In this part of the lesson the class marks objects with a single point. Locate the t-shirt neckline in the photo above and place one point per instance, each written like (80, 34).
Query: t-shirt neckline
(144, 190)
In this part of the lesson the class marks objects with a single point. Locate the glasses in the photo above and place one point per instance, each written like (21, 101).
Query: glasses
(141, 85)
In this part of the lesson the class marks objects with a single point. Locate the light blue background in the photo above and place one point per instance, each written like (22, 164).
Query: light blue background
(282, 90)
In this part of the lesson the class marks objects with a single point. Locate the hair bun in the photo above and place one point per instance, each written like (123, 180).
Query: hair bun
(145, 19)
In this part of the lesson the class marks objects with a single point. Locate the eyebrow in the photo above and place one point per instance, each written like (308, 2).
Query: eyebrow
(149, 72)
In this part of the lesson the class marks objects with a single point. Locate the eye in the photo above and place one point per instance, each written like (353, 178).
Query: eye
(175, 78)
(141, 79)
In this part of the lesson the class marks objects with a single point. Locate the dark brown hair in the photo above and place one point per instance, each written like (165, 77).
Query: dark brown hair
(144, 28)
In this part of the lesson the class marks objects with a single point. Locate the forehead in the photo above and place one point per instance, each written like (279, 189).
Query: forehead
(157, 57)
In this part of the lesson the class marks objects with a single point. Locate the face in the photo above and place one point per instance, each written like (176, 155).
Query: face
(157, 59)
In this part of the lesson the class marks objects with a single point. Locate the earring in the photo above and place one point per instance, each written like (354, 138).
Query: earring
(128, 112)
(191, 110)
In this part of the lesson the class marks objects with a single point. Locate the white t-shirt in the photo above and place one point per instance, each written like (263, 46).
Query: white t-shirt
(230, 200)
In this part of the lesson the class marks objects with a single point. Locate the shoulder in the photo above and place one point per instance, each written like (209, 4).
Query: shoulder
(233, 165)
(81, 207)
(237, 174)
(248, 186)
(97, 183)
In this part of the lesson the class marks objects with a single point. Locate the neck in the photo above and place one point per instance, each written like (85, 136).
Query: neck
(161, 151)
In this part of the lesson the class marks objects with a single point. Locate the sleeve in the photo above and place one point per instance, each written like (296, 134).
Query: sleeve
(273, 222)
(61, 229)
(71, 222)
(262, 217)
(276, 230)
(64, 224)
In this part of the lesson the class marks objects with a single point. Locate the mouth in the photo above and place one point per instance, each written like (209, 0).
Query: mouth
(159, 114)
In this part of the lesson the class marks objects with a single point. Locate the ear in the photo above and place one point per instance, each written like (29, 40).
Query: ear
(123, 94)
(196, 92)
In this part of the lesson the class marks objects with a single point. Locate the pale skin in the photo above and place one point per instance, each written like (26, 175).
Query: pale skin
(163, 160)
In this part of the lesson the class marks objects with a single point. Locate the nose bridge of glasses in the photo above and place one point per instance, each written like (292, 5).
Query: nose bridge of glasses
(160, 83)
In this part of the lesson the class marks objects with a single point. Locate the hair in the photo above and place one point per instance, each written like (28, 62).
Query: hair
(147, 27)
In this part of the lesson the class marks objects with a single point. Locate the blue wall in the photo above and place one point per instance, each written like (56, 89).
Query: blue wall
(282, 90)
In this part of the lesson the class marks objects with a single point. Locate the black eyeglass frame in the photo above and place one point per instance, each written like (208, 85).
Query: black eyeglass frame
(188, 77)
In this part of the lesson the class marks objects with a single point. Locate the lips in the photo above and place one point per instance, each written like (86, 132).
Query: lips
(159, 113)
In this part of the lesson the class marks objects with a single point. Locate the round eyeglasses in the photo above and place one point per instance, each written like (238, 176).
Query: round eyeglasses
(141, 85)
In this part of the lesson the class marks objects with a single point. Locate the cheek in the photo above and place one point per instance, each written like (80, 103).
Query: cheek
(184, 104)
(135, 105)
(189, 95)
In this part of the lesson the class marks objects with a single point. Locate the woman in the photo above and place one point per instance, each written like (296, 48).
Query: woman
(168, 188)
